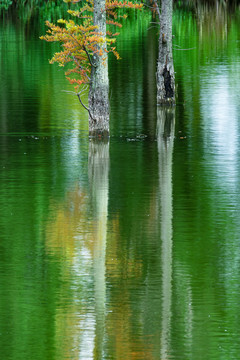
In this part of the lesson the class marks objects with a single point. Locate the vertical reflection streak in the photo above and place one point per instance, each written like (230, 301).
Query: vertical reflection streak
(98, 179)
(165, 139)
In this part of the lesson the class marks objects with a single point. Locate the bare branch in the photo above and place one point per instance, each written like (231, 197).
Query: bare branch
(84, 48)
(69, 92)
(186, 49)
(152, 27)
(79, 98)
(80, 66)
(150, 7)
(85, 107)
(157, 9)
(88, 55)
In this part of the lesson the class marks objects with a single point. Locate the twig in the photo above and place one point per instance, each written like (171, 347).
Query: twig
(80, 100)
(185, 49)
(69, 92)
(152, 27)
(85, 107)
(157, 9)
(88, 55)
(150, 7)
(84, 48)
(80, 66)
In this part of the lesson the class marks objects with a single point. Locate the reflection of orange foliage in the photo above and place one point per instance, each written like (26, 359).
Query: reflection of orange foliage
(67, 223)
(125, 344)
(68, 220)
(114, 264)
(69, 229)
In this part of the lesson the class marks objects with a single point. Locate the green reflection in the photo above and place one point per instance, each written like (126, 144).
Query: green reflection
(126, 250)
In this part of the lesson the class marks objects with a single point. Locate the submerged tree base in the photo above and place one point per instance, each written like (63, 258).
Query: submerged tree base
(99, 134)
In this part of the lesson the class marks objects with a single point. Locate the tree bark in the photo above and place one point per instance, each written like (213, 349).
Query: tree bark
(99, 85)
(165, 68)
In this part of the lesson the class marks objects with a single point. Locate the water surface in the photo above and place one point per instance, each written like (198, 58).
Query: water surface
(128, 249)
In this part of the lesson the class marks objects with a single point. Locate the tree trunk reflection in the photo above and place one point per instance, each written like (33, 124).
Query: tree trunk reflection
(98, 171)
(165, 138)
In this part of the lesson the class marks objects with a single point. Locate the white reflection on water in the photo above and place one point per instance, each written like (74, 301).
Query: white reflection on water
(98, 178)
(83, 336)
(165, 138)
(76, 237)
(219, 101)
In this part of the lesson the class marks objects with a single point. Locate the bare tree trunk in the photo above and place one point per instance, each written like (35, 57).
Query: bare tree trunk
(99, 84)
(165, 68)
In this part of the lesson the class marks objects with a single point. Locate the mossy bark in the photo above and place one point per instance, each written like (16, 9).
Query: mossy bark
(165, 68)
(99, 85)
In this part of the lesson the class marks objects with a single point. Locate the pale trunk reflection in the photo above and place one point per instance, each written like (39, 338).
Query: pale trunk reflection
(98, 167)
(165, 138)
(76, 239)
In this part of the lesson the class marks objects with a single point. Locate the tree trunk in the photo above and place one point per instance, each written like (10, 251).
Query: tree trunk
(99, 84)
(165, 68)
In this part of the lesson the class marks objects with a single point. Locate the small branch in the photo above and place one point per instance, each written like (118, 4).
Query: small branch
(69, 92)
(89, 57)
(152, 27)
(80, 66)
(185, 49)
(157, 9)
(76, 40)
(85, 107)
(84, 48)
(150, 7)
(80, 100)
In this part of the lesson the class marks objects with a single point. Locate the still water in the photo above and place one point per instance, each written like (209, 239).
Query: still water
(128, 249)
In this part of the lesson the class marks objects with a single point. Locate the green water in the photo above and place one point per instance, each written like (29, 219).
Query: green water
(128, 249)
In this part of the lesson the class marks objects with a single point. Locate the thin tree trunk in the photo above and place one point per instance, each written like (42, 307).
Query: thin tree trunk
(165, 68)
(99, 84)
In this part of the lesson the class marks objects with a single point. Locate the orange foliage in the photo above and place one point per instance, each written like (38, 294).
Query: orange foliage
(80, 39)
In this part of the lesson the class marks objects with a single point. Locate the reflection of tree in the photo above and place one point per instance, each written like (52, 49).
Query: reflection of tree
(140, 273)
(165, 137)
(63, 243)
(212, 19)
(78, 242)
(98, 178)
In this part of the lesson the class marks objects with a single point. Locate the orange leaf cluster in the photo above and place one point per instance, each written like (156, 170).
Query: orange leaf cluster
(80, 39)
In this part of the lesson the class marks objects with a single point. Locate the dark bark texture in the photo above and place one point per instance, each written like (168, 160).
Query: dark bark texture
(165, 68)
